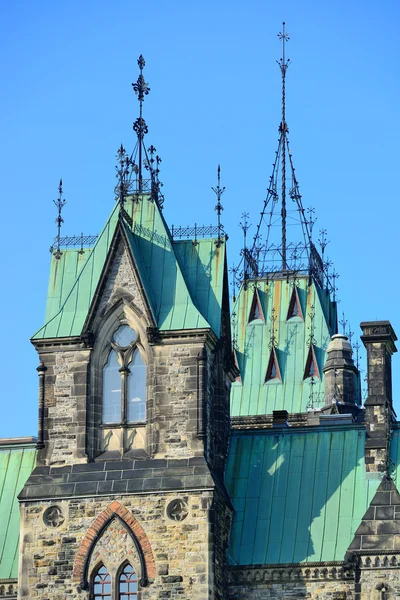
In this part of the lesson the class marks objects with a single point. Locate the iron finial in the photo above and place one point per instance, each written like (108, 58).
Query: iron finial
(218, 191)
(283, 130)
(141, 89)
(60, 203)
(123, 168)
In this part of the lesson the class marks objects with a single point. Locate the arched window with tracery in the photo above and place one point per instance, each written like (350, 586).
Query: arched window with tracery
(124, 380)
(128, 584)
(102, 584)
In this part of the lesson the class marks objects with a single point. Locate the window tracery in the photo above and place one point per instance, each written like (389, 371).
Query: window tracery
(102, 584)
(124, 380)
(125, 589)
(128, 584)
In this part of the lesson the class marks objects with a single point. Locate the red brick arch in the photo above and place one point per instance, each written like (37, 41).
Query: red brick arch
(115, 509)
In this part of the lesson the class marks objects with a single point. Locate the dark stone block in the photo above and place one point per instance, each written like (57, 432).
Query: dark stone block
(197, 460)
(370, 514)
(151, 484)
(41, 471)
(381, 499)
(171, 483)
(64, 489)
(367, 528)
(135, 485)
(377, 542)
(86, 467)
(120, 486)
(59, 470)
(394, 497)
(155, 463)
(388, 527)
(118, 465)
(176, 462)
(174, 471)
(384, 512)
(104, 487)
(113, 475)
(203, 470)
(143, 473)
(89, 487)
(81, 477)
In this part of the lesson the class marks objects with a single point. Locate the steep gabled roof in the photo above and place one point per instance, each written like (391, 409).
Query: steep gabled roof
(183, 286)
(16, 463)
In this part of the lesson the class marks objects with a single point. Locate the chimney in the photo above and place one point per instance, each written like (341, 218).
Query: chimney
(341, 375)
(379, 340)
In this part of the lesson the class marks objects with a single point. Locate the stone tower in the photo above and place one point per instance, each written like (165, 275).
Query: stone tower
(127, 499)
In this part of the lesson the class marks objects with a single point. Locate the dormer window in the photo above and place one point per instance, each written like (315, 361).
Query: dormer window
(124, 380)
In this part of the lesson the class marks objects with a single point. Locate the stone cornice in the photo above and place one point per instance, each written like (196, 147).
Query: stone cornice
(289, 572)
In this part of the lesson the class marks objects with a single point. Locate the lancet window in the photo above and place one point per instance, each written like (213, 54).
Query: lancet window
(126, 587)
(102, 584)
(124, 380)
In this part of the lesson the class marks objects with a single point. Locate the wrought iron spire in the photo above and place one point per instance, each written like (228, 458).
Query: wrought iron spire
(218, 191)
(123, 170)
(141, 89)
(60, 203)
(283, 130)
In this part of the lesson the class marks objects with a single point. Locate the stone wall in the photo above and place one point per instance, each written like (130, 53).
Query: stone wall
(182, 549)
(65, 392)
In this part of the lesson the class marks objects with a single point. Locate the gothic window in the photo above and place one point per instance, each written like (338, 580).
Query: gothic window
(294, 309)
(311, 368)
(102, 584)
(128, 584)
(124, 380)
(256, 311)
(273, 371)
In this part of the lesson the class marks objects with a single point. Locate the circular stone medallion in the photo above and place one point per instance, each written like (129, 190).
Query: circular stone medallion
(53, 517)
(177, 510)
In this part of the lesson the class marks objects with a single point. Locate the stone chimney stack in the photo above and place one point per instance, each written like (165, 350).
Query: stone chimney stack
(341, 375)
(379, 340)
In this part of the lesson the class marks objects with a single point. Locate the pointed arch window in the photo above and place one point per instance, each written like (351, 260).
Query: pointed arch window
(102, 584)
(256, 311)
(124, 380)
(311, 369)
(273, 370)
(128, 584)
(294, 306)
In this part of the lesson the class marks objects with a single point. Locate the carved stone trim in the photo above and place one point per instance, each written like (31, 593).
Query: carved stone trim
(384, 560)
(294, 572)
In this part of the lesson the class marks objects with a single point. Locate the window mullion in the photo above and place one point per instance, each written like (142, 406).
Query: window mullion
(124, 378)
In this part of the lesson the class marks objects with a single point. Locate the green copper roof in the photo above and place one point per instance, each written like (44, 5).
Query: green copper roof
(16, 464)
(174, 276)
(316, 323)
(203, 268)
(299, 496)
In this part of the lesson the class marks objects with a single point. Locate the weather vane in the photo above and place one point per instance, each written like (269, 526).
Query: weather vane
(141, 89)
(218, 191)
(60, 203)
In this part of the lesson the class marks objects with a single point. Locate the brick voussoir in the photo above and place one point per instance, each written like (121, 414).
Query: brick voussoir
(115, 508)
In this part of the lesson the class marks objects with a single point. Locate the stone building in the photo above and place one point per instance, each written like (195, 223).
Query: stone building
(184, 451)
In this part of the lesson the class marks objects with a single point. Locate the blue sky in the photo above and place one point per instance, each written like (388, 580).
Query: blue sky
(67, 104)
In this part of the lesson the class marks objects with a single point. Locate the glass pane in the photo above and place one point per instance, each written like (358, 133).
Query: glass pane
(124, 336)
(112, 390)
(128, 584)
(136, 389)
